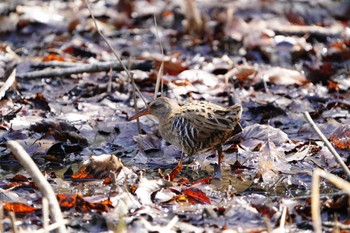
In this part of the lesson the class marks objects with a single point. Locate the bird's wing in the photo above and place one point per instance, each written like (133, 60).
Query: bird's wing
(190, 129)
(202, 125)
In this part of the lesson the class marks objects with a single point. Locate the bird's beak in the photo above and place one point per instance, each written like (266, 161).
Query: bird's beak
(142, 113)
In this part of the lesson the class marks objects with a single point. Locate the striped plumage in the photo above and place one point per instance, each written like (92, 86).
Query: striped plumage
(195, 127)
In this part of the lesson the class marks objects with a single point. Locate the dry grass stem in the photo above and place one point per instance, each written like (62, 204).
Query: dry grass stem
(1, 215)
(283, 217)
(40, 181)
(315, 194)
(45, 210)
(112, 49)
(13, 222)
(315, 203)
(328, 144)
(160, 71)
(135, 102)
(195, 24)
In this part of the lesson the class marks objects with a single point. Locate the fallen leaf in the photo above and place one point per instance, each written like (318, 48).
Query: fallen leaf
(98, 167)
(206, 180)
(52, 57)
(173, 174)
(341, 137)
(147, 187)
(18, 207)
(197, 195)
(77, 202)
(282, 76)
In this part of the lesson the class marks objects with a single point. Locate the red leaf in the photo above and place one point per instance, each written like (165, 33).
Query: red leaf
(19, 178)
(170, 67)
(107, 180)
(173, 174)
(183, 181)
(206, 180)
(198, 195)
(264, 210)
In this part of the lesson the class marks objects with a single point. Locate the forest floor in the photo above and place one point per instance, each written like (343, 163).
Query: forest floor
(66, 100)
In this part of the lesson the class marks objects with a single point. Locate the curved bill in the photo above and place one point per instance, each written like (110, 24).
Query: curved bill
(139, 114)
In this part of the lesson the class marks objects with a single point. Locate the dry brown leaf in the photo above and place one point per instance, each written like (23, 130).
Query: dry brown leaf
(341, 137)
(99, 167)
(282, 76)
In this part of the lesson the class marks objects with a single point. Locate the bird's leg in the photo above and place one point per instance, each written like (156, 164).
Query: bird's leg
(220, 155)
(217, 169)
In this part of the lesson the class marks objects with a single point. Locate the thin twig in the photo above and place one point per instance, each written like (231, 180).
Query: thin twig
(283, 218)
(328, 144)
(161, 69)
(43, 185)
(313, 30)
(111, 48)
(315, 194)
(135, 102)
(80, 68)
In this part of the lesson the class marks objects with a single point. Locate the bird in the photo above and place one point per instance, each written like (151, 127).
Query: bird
(196, 127)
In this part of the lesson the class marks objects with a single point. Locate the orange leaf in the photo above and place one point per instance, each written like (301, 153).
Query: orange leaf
(341, 137)
(133, 189)
(170, 67)
(198, 195)
(181, 198)
(173, 174)
(66, 201)
(107, 180)
(18, 207)
(333, 86)
(107, 202)
(77, 202)
(83, 173)
(53, 57)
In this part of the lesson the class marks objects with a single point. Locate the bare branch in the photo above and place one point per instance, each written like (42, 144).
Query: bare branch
(85, 68)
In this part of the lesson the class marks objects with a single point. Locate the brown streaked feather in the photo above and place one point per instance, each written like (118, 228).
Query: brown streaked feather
(201, 126)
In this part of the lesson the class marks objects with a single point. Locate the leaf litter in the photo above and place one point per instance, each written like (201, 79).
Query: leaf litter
(276, 61)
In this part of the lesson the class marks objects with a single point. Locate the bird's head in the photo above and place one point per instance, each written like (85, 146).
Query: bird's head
(160, 108)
